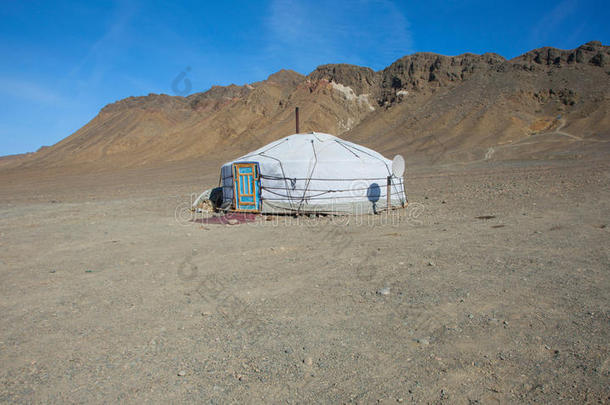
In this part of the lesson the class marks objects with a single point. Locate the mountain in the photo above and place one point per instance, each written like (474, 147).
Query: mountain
(546, 103)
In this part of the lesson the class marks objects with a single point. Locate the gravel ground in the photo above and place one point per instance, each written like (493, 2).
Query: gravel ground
(492, 286)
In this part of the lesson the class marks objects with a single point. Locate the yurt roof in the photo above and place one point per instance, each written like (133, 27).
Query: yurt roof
(321, 146)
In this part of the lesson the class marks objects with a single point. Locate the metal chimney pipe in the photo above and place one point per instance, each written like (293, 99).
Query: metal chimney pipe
(296, 114)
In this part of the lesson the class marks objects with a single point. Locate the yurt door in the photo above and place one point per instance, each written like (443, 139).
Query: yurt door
(246, 187)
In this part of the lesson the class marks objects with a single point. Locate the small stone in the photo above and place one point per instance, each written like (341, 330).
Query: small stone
(308, 361)
(423, 341)
(470, 316)
(444, 394)
(431, 264)
(52, 271)
(384, 291)
(232, 221)
(181, 373)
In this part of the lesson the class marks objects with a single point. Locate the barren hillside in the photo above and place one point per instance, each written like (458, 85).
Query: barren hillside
(547, 103)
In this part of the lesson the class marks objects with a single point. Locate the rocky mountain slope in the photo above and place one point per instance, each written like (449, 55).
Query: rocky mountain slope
(547, 103)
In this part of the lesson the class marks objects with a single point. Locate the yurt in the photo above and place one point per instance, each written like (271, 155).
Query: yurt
(311, 173)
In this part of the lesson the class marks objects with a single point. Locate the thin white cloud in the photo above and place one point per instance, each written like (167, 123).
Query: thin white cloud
(548, 25)
(372, 32)
(98, 56)
(29, 91)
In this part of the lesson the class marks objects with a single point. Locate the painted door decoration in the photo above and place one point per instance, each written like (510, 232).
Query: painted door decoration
(246, 187)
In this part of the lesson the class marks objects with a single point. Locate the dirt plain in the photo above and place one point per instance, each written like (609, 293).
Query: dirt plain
(493, 286)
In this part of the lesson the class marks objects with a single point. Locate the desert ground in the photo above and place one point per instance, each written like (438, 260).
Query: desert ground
(492, 286)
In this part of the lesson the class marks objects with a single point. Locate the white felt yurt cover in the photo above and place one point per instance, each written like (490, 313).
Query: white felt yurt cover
(317, 172)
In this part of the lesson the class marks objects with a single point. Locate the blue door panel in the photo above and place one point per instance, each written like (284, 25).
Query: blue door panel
(246, 186)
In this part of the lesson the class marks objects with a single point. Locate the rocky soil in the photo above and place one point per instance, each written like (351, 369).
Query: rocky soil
(492, 286)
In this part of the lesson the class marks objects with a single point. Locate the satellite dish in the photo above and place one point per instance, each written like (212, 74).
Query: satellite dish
(398, 166)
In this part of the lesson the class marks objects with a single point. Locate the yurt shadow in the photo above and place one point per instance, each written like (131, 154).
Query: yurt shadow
(373, 193)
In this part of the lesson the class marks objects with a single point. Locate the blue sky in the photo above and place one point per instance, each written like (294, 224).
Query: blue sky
(63, 61)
